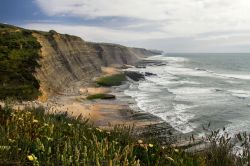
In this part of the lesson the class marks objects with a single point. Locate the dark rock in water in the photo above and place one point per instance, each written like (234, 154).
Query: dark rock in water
(144, 63)
(140, 67)
(150, 74)
(157, 130)
(162, 132)
(198, 69)
(241, 97)
(162, 64)
(135, 76)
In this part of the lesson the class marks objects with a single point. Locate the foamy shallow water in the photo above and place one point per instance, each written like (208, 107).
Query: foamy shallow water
(188, 94)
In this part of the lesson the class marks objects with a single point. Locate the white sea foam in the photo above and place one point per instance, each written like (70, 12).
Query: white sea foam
(200, 96)
(183, 107)
(192, 91)
(174, 78)
(179, 120)
(238, 125)
(168, 59)
(148, 87)
(236, 76)
(174, 70)
(175, 67)
(146, 93)
(240, 93)
(175, 115)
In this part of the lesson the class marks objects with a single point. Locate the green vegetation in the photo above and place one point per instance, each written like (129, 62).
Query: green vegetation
(33, 137)
(113, 80)
(100, 96)
(18, 60)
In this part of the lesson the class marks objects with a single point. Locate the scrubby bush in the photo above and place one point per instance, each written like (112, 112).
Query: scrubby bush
(100, 96)
(112, 80)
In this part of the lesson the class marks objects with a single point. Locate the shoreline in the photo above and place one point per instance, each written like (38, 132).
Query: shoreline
(145, 123)
(108, 113)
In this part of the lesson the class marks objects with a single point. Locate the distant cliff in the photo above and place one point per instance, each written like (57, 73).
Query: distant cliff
(64, 59)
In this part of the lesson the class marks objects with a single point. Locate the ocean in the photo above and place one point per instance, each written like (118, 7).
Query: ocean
(192, 90)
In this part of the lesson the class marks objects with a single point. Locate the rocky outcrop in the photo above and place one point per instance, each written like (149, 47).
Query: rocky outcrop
(66, 59)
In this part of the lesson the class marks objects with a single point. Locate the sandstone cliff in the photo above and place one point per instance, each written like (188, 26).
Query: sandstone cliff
(66, 59)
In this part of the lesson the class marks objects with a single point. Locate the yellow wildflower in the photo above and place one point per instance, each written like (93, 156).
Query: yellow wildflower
(35, 121)
(150, 145)
(31, 157)
(69, 124)
(176, 150)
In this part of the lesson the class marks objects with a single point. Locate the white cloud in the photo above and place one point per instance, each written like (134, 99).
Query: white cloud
(187, 17)
(94, 33)
(143, 9)
(156, 18)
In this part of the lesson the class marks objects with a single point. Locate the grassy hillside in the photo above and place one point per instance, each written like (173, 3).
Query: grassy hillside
(18, 60)
(33, 137)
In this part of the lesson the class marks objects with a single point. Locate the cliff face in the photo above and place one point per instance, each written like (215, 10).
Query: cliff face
(66, 59)
(117, 54)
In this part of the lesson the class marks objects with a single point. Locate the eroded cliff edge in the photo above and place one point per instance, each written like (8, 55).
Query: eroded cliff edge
(66, 59)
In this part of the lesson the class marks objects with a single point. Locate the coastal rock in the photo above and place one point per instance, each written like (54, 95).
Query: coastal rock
(144, 63)
(150, 74)
(135, 76)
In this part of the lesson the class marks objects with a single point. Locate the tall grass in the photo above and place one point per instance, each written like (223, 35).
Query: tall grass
(223, 149)
(34, 137)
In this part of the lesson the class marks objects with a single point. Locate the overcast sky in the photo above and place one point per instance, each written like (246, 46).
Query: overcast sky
(169, 25)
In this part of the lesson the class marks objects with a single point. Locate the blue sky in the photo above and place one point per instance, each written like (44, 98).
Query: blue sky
(169, 25)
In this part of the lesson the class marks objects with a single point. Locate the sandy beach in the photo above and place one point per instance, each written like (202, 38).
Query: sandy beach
(104, 113)
(108, 113)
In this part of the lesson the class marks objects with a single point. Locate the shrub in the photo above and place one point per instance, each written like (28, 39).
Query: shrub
(100, 96)
(113, 80)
